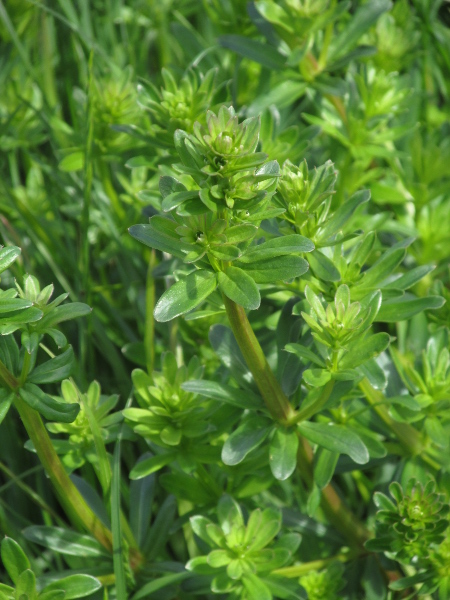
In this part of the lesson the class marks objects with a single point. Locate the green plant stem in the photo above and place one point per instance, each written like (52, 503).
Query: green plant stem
(307, 412)
(149, 332)
(274, 397)
(315, 565)
(408, 437)
(332, 504)
(280, 409)
(70, 498)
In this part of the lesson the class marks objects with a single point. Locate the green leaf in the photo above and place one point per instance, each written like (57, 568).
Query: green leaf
(48, 407)
(287, 244)
(7, 256)
(56, 369)
(229, 514)
(26, 585)
(323, 267)
(160, 234)
(283, 453)
(66, 312)
(405, 307)
(185, 295)
(75, 586)
(12, 304)
(159, 584)
(240, 233)
(364, 349)
(281, 268)
(256, 589)
(72, 162)
(225, 252)
(175, 199)
(340, 217)
(6, 399)
(364, 18)
(316, 377)
(64, 541)
(151, 465)
(142, 493)
(325, 463)
(282, 95)
(259, 52)
(237, 285)
(13, 558)
(223, 393)
(336, 438)
(305, 353)
(410, 278)
(247, 437)
(159, 530)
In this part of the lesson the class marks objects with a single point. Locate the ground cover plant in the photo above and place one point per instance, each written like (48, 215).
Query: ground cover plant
(225, 273)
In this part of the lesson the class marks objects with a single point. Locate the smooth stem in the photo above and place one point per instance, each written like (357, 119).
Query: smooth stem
(69, 496)
(280, 409)
(408, 437)
(314, 565)
(149, 332)
(316, 406)
(274, 397)
(332, 504)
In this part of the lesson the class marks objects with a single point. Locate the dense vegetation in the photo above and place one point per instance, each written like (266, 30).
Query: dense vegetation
(248, 395)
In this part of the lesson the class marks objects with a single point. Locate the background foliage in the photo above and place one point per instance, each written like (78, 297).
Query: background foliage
(189, 481)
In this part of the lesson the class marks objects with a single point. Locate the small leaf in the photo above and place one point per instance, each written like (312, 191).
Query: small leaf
(316, 377)
(364, 349)
(256, 589)
(150, 465)
(64, 541)
(237, 285)
(75, 586)
(223, 393)
(336, 438)
(325, 463)
(48, 407)
(323, 267)
(13, 558)
(280, 268)
(66, 312)
(257, 51)
(283, 453)
(160, 234)
(7, 256)
(53, 370)
(403, 308)
(72, 162)
(185, 295)
(287, 244)
(246, 438)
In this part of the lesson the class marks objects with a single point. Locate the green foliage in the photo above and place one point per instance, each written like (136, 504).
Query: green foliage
(23, 579)
(269, 349)
(242, 554)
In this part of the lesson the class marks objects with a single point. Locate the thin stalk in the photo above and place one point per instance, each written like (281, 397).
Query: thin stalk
(281, 410)
(316, 406)
(70, 498)
(149, 332)
(274, 397)
(336, 511)
(408, 437)
(315, 565)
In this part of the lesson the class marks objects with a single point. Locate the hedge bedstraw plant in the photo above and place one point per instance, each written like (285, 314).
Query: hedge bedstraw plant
(238, 385)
